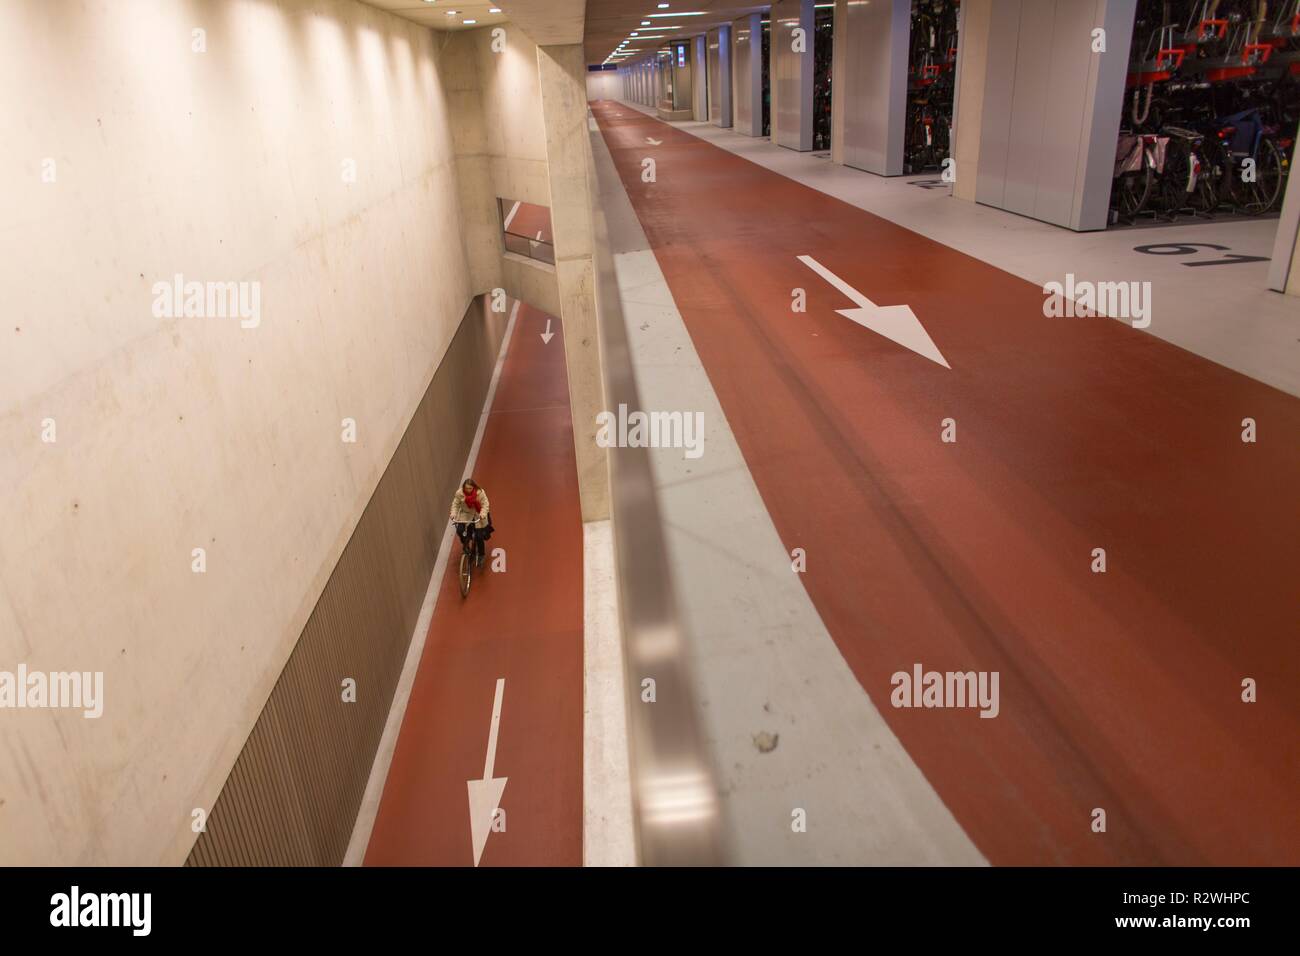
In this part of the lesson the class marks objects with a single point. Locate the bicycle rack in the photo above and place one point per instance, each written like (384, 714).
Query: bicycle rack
(1167, 62)
(1252, 55)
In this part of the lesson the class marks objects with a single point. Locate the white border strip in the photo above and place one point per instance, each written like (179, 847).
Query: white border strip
(608, 838)
(513, 209)
(365, 821)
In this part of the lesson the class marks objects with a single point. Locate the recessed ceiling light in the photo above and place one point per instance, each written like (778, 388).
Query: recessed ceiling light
(663, 6)
(645, 23)
(470, 21)
(695, 13)
(632, 34)
(494, 9)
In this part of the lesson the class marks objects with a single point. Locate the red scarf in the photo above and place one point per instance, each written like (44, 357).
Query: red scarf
(471, 500)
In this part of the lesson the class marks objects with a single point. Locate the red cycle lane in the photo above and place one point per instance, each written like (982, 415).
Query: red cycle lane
(523, 625)
(1119, 691)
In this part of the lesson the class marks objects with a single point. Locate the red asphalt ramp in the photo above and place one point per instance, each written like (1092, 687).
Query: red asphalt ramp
(523, 625)
(1119, 691)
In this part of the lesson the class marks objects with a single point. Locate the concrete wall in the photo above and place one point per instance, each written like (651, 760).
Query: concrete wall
(232, 164)
(869, 106)
(560, 81)
(747, 74)
(604, 85)
(500, 140)
(792, 74)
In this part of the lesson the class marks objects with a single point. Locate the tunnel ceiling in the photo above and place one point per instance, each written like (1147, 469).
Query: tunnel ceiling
(445, 14)
(609, 22)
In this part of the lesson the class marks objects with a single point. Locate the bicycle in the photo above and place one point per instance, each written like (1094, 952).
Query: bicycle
(471, 556)
(1254, 168)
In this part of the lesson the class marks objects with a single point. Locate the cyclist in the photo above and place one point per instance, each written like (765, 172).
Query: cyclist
(472, 517)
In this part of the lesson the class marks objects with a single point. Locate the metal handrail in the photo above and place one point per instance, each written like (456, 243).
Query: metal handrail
(675, 805)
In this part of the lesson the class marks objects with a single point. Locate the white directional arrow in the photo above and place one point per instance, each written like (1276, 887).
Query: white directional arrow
(654, 142)
(485, 794)
(898, 323)
(548, 334)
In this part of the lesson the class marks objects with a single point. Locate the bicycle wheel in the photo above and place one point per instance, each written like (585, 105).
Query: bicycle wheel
(1257, 196)
(1270, 175)
(1205, 198)
(1132, 192)
(466, 572)
(1176, 177)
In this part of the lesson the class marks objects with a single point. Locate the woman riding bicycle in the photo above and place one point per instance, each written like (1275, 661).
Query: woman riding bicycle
(471, 515)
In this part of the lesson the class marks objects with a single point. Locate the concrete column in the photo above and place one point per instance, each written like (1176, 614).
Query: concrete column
(968, 97)
(792, 73)
(869, 80)
(700, 74)
(747, 74)
(720, 76)
(1284, 270)
(1049, 107)
(561, 71)
(839, 69)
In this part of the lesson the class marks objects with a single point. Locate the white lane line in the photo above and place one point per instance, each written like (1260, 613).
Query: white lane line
(608, 836)
(898, 323)
(513, 209)
(485, 794)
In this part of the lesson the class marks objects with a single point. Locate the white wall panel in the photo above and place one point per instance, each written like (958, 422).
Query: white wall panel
(747, 75)
(872, 104)
(792, 75)
(719, 49)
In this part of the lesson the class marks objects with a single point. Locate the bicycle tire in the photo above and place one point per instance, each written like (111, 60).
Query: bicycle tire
(466, 573)
(1133, 192)
(1271, 175)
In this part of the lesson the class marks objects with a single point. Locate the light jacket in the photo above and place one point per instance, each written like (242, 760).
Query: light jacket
(462, 513)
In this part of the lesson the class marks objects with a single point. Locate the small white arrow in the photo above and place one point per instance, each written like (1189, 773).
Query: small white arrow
(654, 142)
(548, 334)
(485, 794)
(898, 323)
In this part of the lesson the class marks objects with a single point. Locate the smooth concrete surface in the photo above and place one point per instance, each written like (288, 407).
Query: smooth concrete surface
(608, 838)
(235, 164)
(604, 85)
(763, 661)
(548, 22)
(501, 153)
(564, 106)
(1223, 313)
